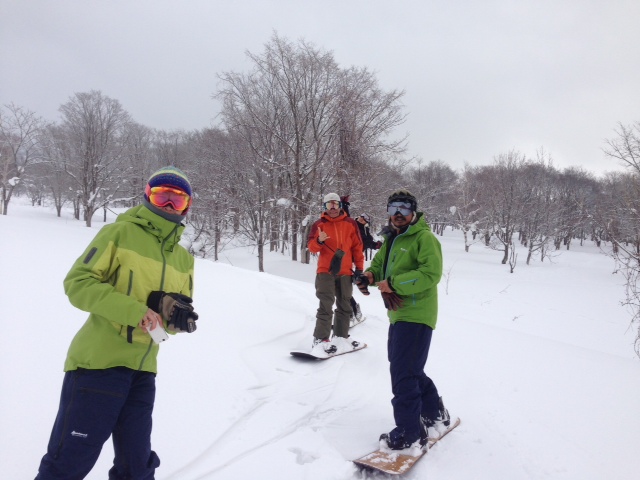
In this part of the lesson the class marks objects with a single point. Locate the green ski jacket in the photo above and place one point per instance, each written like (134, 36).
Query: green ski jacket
(412, 261)
(126, 261)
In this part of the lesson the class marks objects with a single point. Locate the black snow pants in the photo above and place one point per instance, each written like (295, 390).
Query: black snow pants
(97, 404)
(414, 393)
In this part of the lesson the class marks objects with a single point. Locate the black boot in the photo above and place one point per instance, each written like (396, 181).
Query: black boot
(443, 417)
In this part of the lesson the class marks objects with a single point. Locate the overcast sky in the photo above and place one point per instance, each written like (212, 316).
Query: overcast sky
(481, 77)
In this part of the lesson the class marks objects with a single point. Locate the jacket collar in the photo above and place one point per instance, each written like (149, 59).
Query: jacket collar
(326, 217)
(153, 223)
(172, 217)
(418, 223)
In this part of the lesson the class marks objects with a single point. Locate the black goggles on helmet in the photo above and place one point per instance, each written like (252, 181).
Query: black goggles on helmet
(404, 208)
(332, 203)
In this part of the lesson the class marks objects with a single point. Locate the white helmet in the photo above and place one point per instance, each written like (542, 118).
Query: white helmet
(331, 197)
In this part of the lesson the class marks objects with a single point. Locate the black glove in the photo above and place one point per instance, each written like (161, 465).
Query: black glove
(356, 273)
(391, 301)
(176, 309)
(361, 281)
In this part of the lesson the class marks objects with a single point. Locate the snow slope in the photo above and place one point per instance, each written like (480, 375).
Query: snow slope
(539, 364)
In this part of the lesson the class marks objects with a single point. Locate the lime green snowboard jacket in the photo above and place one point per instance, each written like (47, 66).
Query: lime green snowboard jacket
(412, 261)
(126, 261)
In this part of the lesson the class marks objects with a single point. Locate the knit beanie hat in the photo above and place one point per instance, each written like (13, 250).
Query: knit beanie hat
(168, 177)
(171, 177)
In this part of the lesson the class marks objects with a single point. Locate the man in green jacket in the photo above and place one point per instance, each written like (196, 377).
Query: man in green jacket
(135, 280)
(406, 270)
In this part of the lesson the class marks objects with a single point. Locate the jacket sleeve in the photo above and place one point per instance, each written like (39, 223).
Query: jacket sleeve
(429, 270)
(312, 239)
(377, 262)
(357, 248)
(89, 282)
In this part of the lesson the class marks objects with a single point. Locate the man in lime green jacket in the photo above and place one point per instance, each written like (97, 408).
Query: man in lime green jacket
(135, 280)
(406, 270)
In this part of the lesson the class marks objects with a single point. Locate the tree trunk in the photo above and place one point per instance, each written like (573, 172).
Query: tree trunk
(260, 255)
(506, 254)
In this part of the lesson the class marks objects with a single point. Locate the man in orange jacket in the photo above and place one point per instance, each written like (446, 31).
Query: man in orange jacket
(336, 239)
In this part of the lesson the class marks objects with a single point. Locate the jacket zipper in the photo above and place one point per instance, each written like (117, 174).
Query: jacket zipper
(386, 260)
(164, 268)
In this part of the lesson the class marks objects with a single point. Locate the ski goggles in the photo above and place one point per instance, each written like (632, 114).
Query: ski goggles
(163, 196)
(404, 208)
(332, 203)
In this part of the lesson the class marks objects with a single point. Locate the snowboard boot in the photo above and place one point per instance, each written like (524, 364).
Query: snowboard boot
(356, 317)
(343, 344)
(323, 345)
(358, 313)
(442, 422)
(399, 442)
(424, 432)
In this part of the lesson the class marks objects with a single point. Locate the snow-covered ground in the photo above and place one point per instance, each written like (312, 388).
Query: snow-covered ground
(539, 364)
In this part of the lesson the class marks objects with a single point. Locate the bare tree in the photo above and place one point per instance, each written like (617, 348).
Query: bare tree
(576, 193)
(55, 155)
(19, 138)
(215, 156)
(465, 211)
(542, 210)
(624, 226)
(625, 147)
(97, 131)
(169, 148)
(367, 117)
(502, 197)
(138, 161)
(283, 111)
(308, 124)
(434, 186)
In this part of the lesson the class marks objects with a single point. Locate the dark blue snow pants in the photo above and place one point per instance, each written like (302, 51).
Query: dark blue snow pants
(414, 393)
(94, 405)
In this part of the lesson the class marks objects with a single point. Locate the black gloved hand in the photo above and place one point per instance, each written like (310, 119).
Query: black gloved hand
(361, 281)
(391, 301)
(176, 310)
(356, 273)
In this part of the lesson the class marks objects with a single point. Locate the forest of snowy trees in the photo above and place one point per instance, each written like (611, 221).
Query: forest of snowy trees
(295, 127)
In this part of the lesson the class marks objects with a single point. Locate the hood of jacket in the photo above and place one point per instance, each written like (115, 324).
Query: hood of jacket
(418, 223)
(325, 216)
(156, 225)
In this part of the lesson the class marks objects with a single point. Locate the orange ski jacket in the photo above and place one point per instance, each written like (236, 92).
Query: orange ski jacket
(344, 235)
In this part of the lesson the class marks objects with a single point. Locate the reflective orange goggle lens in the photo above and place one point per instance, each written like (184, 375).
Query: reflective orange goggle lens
(163, 196)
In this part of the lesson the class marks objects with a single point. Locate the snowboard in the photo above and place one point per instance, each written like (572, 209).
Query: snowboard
(396, 462)
(309, 356)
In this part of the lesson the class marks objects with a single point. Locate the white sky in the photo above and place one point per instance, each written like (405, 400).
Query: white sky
(481, 78)
(538, 364)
